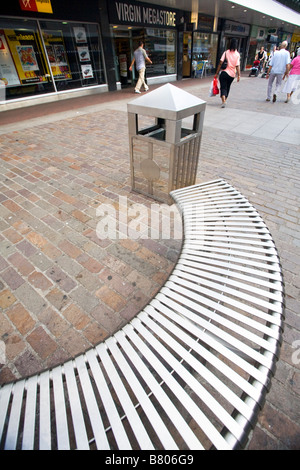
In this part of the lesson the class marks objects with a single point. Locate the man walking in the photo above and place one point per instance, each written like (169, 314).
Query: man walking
(278, 69)
(140, 59)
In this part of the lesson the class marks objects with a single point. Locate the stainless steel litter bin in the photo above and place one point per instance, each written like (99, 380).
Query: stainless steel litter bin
(165, 130)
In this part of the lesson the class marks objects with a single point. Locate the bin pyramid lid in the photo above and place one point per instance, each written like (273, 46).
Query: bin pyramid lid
(168, 102)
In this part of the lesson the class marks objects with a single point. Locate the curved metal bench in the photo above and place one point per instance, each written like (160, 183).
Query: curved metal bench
(192, 369)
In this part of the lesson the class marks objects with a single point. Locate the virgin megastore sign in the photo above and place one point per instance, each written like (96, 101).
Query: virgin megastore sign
(139, 14)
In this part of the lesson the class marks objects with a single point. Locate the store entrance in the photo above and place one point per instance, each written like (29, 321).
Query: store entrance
(125, 42)
(122, 56)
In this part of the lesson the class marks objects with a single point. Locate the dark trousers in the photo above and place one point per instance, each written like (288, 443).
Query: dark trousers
(225, 83)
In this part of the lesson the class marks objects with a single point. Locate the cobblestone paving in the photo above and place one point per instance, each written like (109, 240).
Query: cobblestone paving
(62, 289)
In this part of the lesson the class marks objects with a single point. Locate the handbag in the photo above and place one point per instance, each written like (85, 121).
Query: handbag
(224, 64)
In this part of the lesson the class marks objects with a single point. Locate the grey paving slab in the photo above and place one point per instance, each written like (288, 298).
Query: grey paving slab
(257, 124)
(291, 133)
(273, 128)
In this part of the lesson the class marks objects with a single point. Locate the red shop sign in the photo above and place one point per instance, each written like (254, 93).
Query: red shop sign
(36, 5)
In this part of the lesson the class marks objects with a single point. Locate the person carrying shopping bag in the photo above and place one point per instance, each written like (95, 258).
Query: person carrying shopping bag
(230, 65)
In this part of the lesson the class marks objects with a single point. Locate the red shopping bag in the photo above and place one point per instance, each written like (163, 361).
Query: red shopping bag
(215, 87)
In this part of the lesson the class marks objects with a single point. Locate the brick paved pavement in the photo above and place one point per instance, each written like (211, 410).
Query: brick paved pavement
(62, 290)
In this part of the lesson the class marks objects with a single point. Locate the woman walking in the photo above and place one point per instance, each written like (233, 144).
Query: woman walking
(293, 77)
(232, 56)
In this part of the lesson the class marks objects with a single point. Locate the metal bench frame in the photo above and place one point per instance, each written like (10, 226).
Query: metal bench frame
(192, 369)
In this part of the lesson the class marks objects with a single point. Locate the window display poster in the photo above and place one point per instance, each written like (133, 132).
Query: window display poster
(57, 55)
(80, 34)
(8, 72)
(87, 71)
(27, 58)
(84, 53)
(26, 55)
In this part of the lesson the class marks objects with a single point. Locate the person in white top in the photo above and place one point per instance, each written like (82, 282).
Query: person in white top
(278, 69)
(140, 58)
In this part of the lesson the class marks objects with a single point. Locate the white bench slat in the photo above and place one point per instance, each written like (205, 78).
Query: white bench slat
(30, 414)
(15, 416)
(45, 412)
(125, 401)
(5, 396)
(62, 430)
(76, 408)
(107, 401)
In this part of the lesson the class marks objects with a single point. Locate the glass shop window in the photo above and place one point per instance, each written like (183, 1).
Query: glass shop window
(24, 69)
(160, 45)
(205, 46)
(74, 54)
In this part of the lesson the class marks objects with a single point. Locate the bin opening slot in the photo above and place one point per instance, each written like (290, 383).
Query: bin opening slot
(157, 131)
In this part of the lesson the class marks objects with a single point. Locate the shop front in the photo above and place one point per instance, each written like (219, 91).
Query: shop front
(269, 39)
(156, 26)
(42, 54)
(239, 31)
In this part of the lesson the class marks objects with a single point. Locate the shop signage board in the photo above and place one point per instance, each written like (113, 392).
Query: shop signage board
(41, 6)
(236, 29)
(141, 14)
